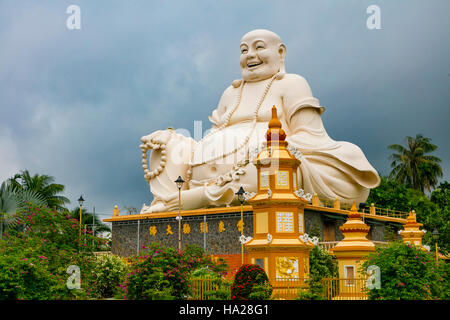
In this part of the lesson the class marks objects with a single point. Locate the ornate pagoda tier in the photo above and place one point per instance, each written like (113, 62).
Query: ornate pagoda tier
(411, 232)
(279, 244)
(355, 242)
(350, 253)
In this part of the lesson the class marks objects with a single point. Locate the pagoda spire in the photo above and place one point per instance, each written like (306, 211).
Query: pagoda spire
(275, 134)
(278, 212)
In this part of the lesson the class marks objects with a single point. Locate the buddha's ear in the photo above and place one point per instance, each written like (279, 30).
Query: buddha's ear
(282, 52)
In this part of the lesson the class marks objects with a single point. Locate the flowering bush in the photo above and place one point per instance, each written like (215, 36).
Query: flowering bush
(25, 278)
(108, 273)
(35, 255)
(162, 272)
(249, 278)
(408, 273)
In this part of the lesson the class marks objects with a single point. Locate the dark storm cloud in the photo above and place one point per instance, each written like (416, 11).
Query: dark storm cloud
(73, 104)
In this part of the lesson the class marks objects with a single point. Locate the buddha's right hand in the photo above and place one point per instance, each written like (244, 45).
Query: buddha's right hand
(159, 137)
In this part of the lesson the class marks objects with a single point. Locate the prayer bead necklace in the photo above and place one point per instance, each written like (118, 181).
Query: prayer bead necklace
(226, 122)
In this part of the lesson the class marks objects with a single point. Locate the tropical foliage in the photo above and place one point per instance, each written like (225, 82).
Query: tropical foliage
(408, 273)
(433, 212)
(321, 265)
(35, 255)
(108, 273)
(162, 273)
(413, 165)
(41, 184)
(89, 220)
(12, 201)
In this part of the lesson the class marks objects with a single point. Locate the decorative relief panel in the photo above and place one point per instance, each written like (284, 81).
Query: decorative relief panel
(301, 223)
(286, 267)
(282, 179)
(285, 221)
(264, 180)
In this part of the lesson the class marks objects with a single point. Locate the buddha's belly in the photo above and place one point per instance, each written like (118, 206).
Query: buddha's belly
(221, 152)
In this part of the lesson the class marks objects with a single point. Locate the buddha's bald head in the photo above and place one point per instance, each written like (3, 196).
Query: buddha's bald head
(262, 55)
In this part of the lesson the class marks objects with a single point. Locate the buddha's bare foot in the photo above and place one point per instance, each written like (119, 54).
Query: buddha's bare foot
(163, 204)
(157, 207)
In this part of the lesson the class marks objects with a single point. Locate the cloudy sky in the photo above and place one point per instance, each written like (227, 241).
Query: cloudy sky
(74, 103)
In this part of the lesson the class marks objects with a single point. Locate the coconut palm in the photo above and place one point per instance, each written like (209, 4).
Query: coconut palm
(43, 185)
(413, 166)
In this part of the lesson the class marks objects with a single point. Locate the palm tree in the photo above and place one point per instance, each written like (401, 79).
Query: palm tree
(89, 219)
(413, 166)
(12, 201)
(41, 184)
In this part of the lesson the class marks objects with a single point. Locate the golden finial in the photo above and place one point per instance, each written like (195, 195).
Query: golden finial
(115, 211)
(275, 130)
(354, 209)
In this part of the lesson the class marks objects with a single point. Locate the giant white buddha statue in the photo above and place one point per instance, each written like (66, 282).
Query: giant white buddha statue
(216, 166)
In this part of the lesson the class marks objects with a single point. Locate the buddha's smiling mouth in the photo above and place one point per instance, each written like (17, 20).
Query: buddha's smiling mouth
(252, 65)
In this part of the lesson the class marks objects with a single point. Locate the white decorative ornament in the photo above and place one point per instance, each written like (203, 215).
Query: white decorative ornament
(176, 218)
(301, 194)
(295, 152)
(306, 238)
(269, 193)
(314, 240)
(427, 247)
(243, 239)
(255, 151)
(308, 197)
(249, 195)
(269, 238)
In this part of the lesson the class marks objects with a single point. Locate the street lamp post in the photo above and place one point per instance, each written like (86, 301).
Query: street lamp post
(435, 234)
(179, 183)
(241, 198)
(80, 202)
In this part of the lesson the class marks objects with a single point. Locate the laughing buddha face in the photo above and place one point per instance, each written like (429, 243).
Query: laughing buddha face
(262, 55)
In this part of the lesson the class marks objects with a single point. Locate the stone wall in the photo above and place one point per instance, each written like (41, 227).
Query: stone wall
(124, 233)
(376, 232)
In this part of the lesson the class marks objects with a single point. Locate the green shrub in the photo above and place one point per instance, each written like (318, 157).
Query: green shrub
(221, 286)
(35, 255)
(25, 278)
(261, 291)
(109, 272)
(162, 272)
(196, 258)
(247, 277)
(408, 273)
(321, 265)
(308, 294)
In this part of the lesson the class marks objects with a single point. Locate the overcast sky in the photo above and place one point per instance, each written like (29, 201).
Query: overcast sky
(74, 103)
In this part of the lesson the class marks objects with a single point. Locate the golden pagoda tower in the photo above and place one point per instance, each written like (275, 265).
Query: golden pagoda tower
(278, 213)
(350, 253)
(411, 232)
